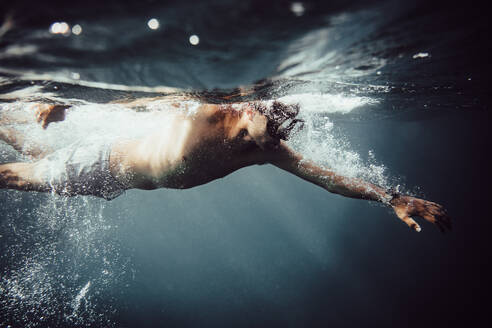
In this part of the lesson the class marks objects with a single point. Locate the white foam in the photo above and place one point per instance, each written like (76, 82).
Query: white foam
(421, 55)
(80, 296)
(326, 103)
(321, 143)
(103, 122)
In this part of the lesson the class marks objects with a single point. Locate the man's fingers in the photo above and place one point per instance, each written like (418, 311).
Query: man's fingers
(440, 214)
(445, 221)
(441, 220)
(448, 222)
(411, 223)
(402, 213)
(440, 226)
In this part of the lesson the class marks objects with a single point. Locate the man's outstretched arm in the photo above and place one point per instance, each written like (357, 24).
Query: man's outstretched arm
(404, 206)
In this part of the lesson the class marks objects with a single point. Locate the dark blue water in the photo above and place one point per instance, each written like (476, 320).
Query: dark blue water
(391, 91)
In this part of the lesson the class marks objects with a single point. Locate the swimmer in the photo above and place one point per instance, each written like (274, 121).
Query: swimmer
(191, 150)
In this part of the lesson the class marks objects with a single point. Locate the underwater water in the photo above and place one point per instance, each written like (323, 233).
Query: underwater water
(393, 92)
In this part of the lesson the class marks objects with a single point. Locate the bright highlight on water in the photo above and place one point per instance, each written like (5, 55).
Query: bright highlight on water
(60, 28)
(153, 24)
(194, 39)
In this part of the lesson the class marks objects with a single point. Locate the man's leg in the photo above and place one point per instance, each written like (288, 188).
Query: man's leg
(21, 176)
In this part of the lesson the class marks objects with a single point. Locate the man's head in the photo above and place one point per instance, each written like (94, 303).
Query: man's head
(267, 125)
(280, 119)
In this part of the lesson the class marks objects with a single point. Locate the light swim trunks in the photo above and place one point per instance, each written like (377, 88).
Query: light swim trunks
(80, 169)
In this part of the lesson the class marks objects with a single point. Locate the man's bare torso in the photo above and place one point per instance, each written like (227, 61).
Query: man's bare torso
(190, 149)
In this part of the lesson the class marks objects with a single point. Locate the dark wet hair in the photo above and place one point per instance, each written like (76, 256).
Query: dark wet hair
(279, 114)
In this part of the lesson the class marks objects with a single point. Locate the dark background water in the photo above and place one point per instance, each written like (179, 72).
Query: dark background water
(261, 247)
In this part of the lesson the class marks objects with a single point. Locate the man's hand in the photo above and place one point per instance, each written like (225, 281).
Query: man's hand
(47, 113)
(406, 206)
